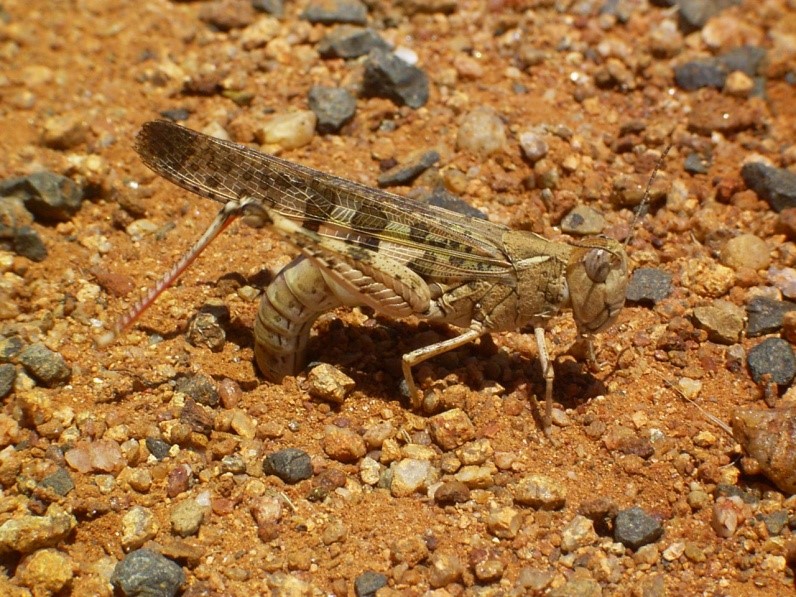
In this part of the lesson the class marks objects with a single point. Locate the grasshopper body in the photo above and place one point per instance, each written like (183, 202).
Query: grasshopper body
(362, 246)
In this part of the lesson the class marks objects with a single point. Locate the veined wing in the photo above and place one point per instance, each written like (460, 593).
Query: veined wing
(434, 242)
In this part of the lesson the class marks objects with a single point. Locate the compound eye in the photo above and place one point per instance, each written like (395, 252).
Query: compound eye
(597, 263)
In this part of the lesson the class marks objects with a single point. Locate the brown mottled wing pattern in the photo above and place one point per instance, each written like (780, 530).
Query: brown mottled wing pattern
(437, 244)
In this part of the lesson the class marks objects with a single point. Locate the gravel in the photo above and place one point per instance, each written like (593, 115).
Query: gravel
(389, 77)
(290, 464)
(635, 528)
(773, 357)
(146, 573)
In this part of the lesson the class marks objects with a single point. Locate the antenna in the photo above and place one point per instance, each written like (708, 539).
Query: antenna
(645, 199)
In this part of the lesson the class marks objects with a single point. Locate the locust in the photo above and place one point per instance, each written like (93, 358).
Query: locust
(362, 246)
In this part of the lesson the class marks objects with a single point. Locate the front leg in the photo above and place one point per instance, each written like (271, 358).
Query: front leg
(416, 357)
(548, 373)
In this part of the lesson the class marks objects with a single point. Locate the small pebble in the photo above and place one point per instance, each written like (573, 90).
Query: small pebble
(635, 528)
(444, 569)
(46, 366)
(476, 477)
(200, 388)
(388, 76)
(226, 15)
(138, 526)
(534, 146)
(451, 492)
(475, 452)
(98, 456)
(186, 518)
(326, 382)
(367, 583)
(8, 373)
(369, 471)
(696, 164)
(723, 321)
(775, 185)
(289, 131)
(409, 169)
(504, 522)
(442, 198)
(332, 106)
(343, 445)
(347, 41)
(329, 12)
(729, 513)
(481, 132)
(46, 572)
(773, 356)
(64, 131)
(410, 475)
(746, 250)
(765, 315)
(648, 286)
(578, 533)
(739, 84)
(28, 243)
(769, 437)
(583, 220)
(206, 329)
(271, 7)
(700, 73)
(27, 533)
(451, 429)
(540, 492)
(784, 279)
(146, 572)
(60, 482)
(409, 550)
(291, 465)
(157, 447)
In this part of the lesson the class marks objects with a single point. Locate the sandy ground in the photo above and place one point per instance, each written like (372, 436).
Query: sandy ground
(604, 88)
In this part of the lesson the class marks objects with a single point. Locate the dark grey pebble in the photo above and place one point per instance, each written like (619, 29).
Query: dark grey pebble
(10, 348)
(347, 41)
(8, 373)
(367, 583)
(405, 173)
(441, 197)
(291, 465)
(272, 7)
(695, 13)
(700, 73)
(388, 76)
(748, 496)
(329, 12)
(146, 573)
(648, 285)
(60, 482)
(696, 164)
(175, 114)
(28, 243)
(773, 356)
(765, 315)
(635, 528)
(49, 196)
(200, 388)
(776, 521)
(46, 366)
(334, 106)
(747, 59)
(157, 447)
(775, 185)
